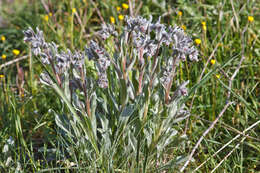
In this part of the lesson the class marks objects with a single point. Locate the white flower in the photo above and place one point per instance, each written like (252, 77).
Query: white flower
(10, 141)
(6, 148)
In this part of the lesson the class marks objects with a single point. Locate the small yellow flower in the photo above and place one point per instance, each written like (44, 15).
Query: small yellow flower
(2, 76)
(46, 18)
(112, 19)
(84, 1)
(125, 6)
(179, 13)
(16, 52)
(3, 38)
(50, 14)
(74, 10)
(197, 41)
(184, 27)
(250, 19)
(118, 8)
(218, 76)
(212, 61)
(204, 27)
(3, 56)
(203, 23)
(121, 17)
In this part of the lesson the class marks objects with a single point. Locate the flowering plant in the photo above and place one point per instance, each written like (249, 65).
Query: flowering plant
(126, 106)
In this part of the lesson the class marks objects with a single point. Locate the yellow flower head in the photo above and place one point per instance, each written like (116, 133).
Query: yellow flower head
(203, 23)
(197, 41)
(112, 19)
(3, 38)
(74, 10)
(212, 61)
(179, 13)
(184, 27)
(125, 6)
(121, 17)
(3, 56)
(118, 8)
(50, 14)
(250, 18)
(16, 52)
(2, 76)
(46, 18)
(218, 76)
(204, 27)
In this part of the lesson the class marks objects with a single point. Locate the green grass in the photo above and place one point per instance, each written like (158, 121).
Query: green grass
(28, 109)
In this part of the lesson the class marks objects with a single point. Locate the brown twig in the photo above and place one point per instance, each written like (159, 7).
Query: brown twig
(13, 61)
(45, 6)
(130, 8)
(224, 146)
(240, 62)
(204, 69)
(98, 12)
(204, 134)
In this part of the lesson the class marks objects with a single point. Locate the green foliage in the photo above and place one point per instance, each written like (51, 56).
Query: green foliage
(117, 137)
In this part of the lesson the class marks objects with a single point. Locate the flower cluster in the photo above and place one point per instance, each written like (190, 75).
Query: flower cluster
(101, 58)
(60, 61)
(145, 36)
(141, 30)
(106, 31)
(149, 37)
(36, 39)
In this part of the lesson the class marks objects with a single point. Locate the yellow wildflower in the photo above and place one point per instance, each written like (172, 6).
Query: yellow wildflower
(250, 18)
(184, 27)
(3, 56)
(118, 8)
(112, 19)
(212, 61)
(120, 17)
(125, 6)
(180, 13)
(50, 14)
(218, 76)
(197, 41)
(74, 10)
(204, 26)
(2, 76)
(3, 38)
(16, 52)
(46, 18)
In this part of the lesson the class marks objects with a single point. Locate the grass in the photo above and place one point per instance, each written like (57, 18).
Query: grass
(28, 109)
